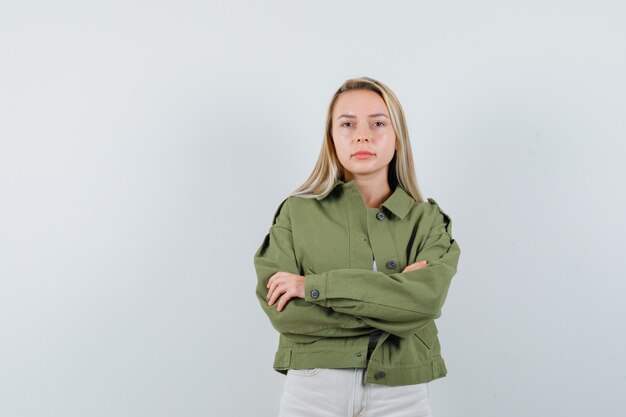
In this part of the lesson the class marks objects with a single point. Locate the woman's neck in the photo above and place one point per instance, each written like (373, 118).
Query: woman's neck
(374, 191)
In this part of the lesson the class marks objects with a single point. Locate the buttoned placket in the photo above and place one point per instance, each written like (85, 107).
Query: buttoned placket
(370, 236)
(371, 239)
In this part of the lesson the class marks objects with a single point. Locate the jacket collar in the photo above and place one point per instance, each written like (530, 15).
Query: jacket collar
(399, 202)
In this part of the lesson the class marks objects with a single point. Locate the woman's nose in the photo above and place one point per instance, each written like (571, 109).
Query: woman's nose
(363, 134)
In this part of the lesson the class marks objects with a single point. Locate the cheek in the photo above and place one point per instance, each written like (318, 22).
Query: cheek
(341, 152)
(340, 144)
(339, 134)
(390, 147)
(391, 140)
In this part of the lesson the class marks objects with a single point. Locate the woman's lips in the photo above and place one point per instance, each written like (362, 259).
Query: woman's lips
(363, 155)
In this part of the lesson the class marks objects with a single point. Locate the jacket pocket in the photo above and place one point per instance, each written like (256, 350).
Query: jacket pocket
(427, 335)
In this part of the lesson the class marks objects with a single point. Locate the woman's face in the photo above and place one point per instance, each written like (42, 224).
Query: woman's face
(361, 123)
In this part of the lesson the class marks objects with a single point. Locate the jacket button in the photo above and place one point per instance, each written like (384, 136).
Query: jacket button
(380, 215)
(315, 294)
(379, 375)
(391, 265)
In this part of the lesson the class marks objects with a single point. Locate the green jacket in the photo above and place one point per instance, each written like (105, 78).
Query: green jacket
(332, 240)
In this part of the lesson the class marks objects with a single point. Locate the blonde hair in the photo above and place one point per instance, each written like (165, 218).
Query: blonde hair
(328, 169)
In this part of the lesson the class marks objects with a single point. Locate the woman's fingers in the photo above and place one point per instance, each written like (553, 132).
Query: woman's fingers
(272, 283)
(415, 265)
(275, 291)
(284, 286)
(282, 293)
(273, 278)
(283, 300)
(278, 284)
(273, 288)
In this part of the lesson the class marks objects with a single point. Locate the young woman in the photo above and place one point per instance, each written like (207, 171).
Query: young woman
(355, 269)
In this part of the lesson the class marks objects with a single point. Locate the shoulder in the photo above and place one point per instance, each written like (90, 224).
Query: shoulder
(429, 214)
(293, 205)
(281, 216)
(438, 218)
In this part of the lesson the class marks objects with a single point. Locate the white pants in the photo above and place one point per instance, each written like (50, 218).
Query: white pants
(324, 392)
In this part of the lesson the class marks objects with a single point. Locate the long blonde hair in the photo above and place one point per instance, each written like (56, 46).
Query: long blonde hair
(328, 169)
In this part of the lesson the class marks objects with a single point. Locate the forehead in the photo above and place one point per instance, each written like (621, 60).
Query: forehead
(359, 102)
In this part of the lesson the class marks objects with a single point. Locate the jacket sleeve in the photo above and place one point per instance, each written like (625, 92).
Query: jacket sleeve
(300, 320)
(399, 303)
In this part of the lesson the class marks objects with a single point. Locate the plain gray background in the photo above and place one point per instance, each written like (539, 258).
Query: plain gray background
(144, 146)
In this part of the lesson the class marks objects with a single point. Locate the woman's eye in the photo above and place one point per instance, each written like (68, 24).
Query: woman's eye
(345, 123)
(380, 124)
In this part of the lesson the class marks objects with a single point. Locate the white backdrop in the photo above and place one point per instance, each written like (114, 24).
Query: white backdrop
(144, 146)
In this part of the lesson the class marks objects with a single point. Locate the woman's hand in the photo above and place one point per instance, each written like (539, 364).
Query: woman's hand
(415, 265)
(286, 286)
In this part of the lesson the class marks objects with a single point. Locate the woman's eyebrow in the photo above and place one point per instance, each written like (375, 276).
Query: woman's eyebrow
(371, 115)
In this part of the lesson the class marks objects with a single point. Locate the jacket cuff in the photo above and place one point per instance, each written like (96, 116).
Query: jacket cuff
(315, 288)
